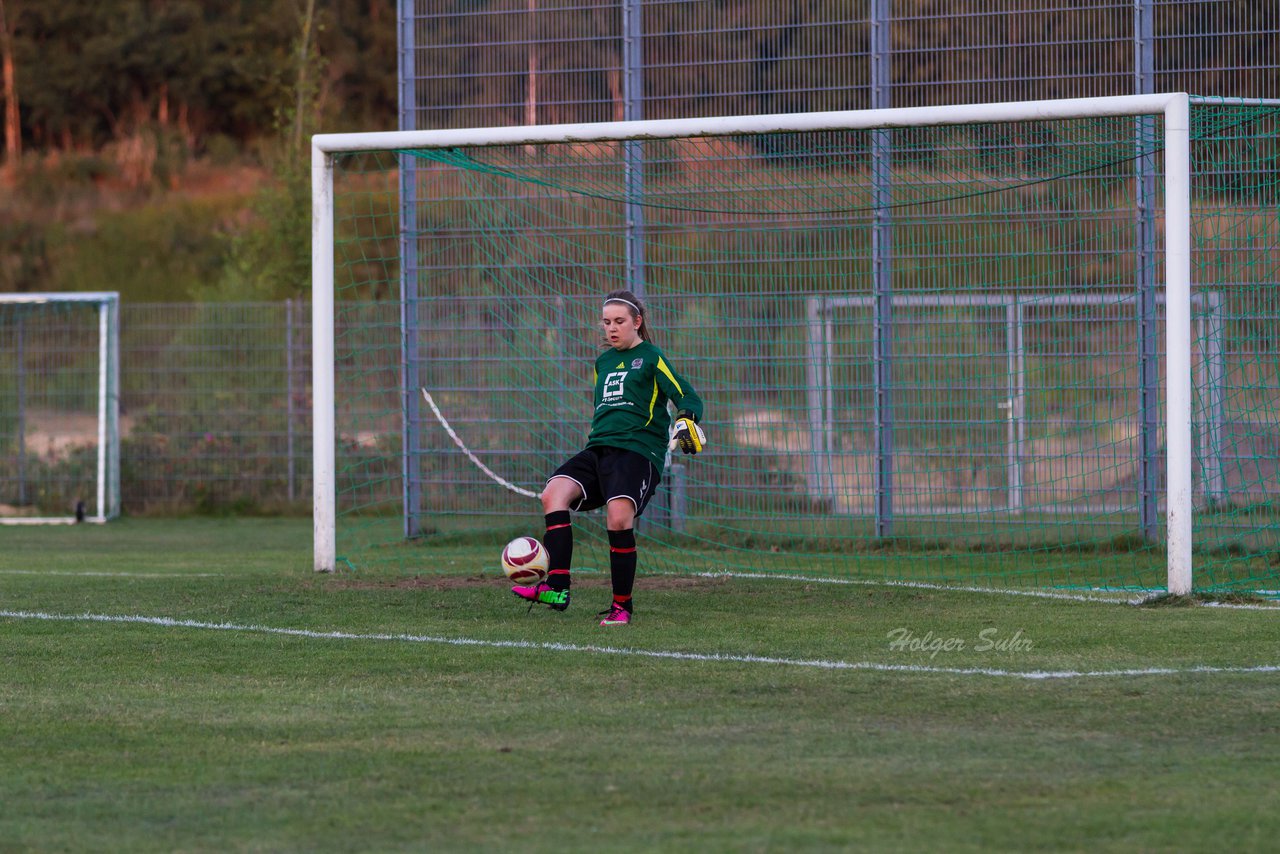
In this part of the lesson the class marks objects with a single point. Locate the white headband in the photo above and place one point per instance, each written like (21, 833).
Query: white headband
(627, 301)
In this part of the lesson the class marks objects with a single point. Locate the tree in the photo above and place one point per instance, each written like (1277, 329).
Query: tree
(9, 88)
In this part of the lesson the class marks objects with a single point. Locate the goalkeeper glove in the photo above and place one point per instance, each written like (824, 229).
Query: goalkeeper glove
(688, 435)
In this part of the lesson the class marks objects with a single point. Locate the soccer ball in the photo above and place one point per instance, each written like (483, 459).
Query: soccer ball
(524, 560)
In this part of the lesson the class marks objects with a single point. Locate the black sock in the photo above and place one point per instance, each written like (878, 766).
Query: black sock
(622, 564)
(559, 542)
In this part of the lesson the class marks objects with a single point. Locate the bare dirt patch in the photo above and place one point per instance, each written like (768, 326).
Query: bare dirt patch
(55, 435)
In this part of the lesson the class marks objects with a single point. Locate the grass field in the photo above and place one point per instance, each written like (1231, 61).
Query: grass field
(247, 704)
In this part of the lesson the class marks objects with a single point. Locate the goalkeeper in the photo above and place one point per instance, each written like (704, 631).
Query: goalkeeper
(622, 463)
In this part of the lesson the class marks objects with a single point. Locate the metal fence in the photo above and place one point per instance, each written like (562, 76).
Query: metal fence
(215, 397)
(513, 62)
(215, 406)
(558, 61)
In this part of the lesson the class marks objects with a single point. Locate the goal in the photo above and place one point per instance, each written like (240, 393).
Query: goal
(59, 408)
(958, 345)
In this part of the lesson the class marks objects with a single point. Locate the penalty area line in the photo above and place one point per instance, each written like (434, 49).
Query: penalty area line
(1114, 598)
(1119, 599)
(672, 655)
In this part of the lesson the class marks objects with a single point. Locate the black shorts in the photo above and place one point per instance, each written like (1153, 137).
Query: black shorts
(608, 473)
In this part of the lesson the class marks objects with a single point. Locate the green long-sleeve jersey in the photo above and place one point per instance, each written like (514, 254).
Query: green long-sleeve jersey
(632, 388)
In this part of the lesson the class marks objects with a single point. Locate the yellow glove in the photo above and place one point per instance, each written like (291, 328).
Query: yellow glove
(688, 435)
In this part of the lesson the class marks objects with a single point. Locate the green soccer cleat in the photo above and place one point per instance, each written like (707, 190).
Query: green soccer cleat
(542, 594)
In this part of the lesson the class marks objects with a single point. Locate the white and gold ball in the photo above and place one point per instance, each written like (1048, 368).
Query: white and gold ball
(524, 560)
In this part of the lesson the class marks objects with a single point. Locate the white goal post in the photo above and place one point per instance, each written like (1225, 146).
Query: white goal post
(1174, 108)
(61, 354)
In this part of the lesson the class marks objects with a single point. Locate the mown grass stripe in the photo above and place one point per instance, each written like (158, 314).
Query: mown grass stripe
(726, 658)
(94, 574)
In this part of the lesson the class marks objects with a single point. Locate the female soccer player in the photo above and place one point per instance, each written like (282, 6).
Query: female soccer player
(622, 463)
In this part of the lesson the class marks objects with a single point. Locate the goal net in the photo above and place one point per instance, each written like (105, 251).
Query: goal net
(59, 397)
(998, 345)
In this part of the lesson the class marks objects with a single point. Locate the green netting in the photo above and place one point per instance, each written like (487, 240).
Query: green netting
(990, 419)
(1236, 254)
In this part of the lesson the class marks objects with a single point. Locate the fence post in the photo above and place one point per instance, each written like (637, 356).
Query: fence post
(1014, 362)
(1144, 277)
(22, 410)
(289, 391)
(633, 171)
(882, 267)
(633, 150)
(410, 396)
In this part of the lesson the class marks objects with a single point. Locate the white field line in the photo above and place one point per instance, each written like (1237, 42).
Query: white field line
(920, 585)
(1238, 606)
(719, 658)
(1107, 597)
(114, 574)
